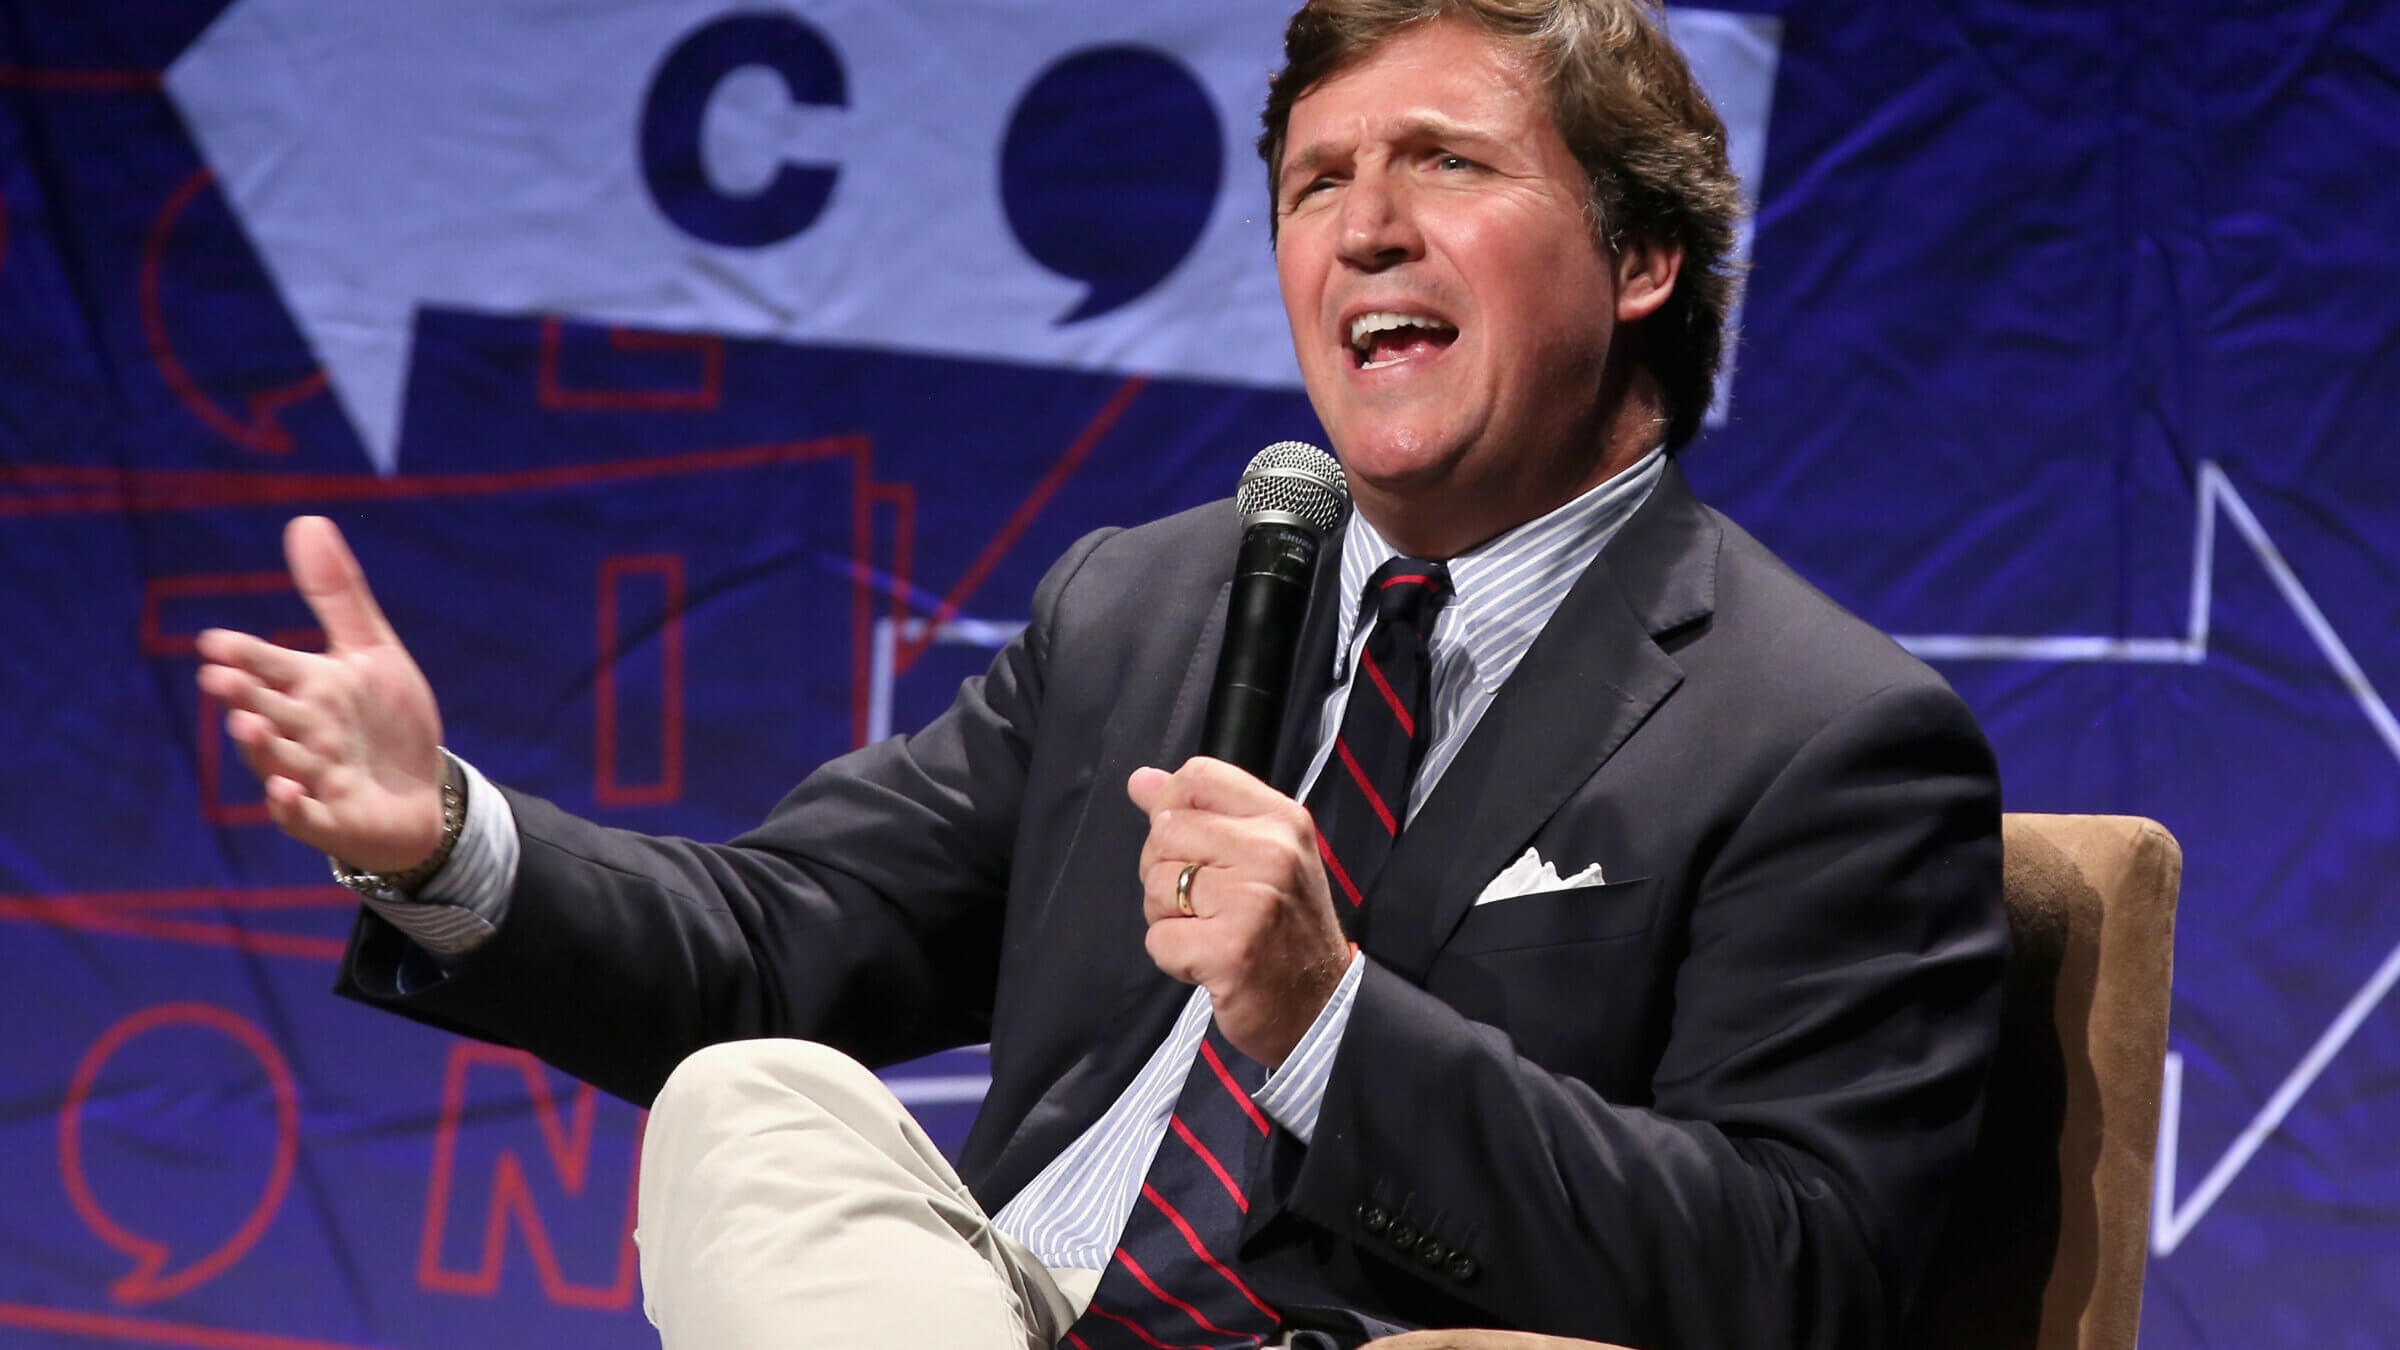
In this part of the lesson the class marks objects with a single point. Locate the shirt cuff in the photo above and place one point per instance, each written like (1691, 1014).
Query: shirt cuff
(1295, 1093)
(463, 905)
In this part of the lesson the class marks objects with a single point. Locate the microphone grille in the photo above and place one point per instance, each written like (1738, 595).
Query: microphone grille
(1295, 483)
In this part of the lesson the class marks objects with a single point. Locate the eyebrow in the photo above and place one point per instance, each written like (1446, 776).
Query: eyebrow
(1414, 127)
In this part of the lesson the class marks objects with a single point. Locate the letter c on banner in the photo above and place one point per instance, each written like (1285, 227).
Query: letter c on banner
(672, 159)
(144, 1283)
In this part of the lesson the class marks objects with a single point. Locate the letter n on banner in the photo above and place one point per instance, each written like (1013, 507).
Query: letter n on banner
(487, 1173)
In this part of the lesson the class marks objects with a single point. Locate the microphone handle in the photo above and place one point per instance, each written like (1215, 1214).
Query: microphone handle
(1272, 577)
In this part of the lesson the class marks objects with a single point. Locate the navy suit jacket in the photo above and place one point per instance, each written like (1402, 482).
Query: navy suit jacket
(1714, 1101)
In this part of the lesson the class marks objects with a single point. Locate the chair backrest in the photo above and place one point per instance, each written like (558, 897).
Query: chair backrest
(2045, 1245)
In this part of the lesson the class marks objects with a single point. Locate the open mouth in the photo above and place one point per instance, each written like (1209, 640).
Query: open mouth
(1389, 337)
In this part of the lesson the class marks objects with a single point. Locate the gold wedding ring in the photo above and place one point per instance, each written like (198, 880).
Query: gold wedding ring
(1183, 891)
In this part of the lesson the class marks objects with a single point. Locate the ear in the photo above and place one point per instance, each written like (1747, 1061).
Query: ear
(1646, 274)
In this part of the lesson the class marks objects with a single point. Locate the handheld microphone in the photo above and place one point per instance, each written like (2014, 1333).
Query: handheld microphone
(1290, 498)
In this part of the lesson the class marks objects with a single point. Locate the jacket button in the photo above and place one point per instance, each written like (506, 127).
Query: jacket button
(1432, 1254)
(1374, 1217)
(1462, 1267)
(1401, 1235)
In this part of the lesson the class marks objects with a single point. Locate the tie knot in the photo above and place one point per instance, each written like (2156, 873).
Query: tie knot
(1406, 592)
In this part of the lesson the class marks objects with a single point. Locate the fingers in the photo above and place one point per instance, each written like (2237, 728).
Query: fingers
(270, 754)
(237, 689)
(1245, 864)
(1233, 855)
(1204, 784)
(298, 814)
(330, 580)
(1164, 891)
(280, 737)
(1209, 812)
(1175, 956)
(256, 658)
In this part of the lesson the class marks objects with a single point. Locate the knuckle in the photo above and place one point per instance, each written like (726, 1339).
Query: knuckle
(1166, 953)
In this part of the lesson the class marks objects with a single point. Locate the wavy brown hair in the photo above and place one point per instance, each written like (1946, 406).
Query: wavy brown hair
(1651, 147)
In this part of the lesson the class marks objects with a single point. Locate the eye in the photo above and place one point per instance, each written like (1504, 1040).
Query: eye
(1306, 190)
(1450, 163)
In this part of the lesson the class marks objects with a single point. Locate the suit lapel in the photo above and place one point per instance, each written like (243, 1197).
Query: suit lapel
(1589, 681)
(1181, 739)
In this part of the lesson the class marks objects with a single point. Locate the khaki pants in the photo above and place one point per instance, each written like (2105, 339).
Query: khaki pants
(788, 1199)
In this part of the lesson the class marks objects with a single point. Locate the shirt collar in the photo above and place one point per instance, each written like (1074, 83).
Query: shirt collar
(1507, 587)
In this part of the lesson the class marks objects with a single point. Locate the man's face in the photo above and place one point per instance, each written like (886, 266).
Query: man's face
(1450, 306)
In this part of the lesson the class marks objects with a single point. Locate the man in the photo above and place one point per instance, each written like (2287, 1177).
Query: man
(1708, 1092)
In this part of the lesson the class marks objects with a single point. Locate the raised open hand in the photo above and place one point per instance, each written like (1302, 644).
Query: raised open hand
(347, 740)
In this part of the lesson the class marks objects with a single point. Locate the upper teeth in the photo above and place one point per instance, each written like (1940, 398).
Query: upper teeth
(1367, 325)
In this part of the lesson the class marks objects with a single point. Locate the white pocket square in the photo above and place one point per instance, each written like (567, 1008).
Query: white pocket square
(1529, 875)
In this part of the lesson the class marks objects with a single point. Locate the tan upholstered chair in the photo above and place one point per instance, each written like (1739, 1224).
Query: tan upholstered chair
(2045, 1247)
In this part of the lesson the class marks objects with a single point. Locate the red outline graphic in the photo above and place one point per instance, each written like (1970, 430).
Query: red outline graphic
(156, 591)
(143, 1284)
(901, 500)
(154, 1331)
(98, 490)
(262, 432)
(605, 787)
(52, 81)
(133, 914)
(569, 1145)
(157, 642)
(906, 655)
(90, 490)
(552, 393)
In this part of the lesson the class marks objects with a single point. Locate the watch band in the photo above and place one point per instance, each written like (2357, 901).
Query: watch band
(454, 823)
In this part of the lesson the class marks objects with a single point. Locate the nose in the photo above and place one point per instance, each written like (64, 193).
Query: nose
(1378, 227)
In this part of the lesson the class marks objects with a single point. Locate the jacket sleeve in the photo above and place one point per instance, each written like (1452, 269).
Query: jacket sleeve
(864, 912)
(1833, 1015)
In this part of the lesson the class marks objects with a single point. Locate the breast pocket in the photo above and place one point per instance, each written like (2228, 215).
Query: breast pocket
(1572, 976)
(1594, 913)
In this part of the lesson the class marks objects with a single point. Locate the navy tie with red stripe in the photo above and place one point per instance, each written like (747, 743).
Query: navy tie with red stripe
(1171, 1281)
(1360, 800)
(1171, 1284)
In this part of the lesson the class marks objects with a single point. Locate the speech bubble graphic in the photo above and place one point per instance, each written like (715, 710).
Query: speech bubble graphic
(488, 156)
(149, 1280)
(1110, 169)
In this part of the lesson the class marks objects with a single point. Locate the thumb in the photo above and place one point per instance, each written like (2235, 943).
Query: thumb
(1146, 786)
(330, 581)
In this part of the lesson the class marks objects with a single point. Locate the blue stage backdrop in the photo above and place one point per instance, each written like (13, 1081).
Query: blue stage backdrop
(705, 388)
